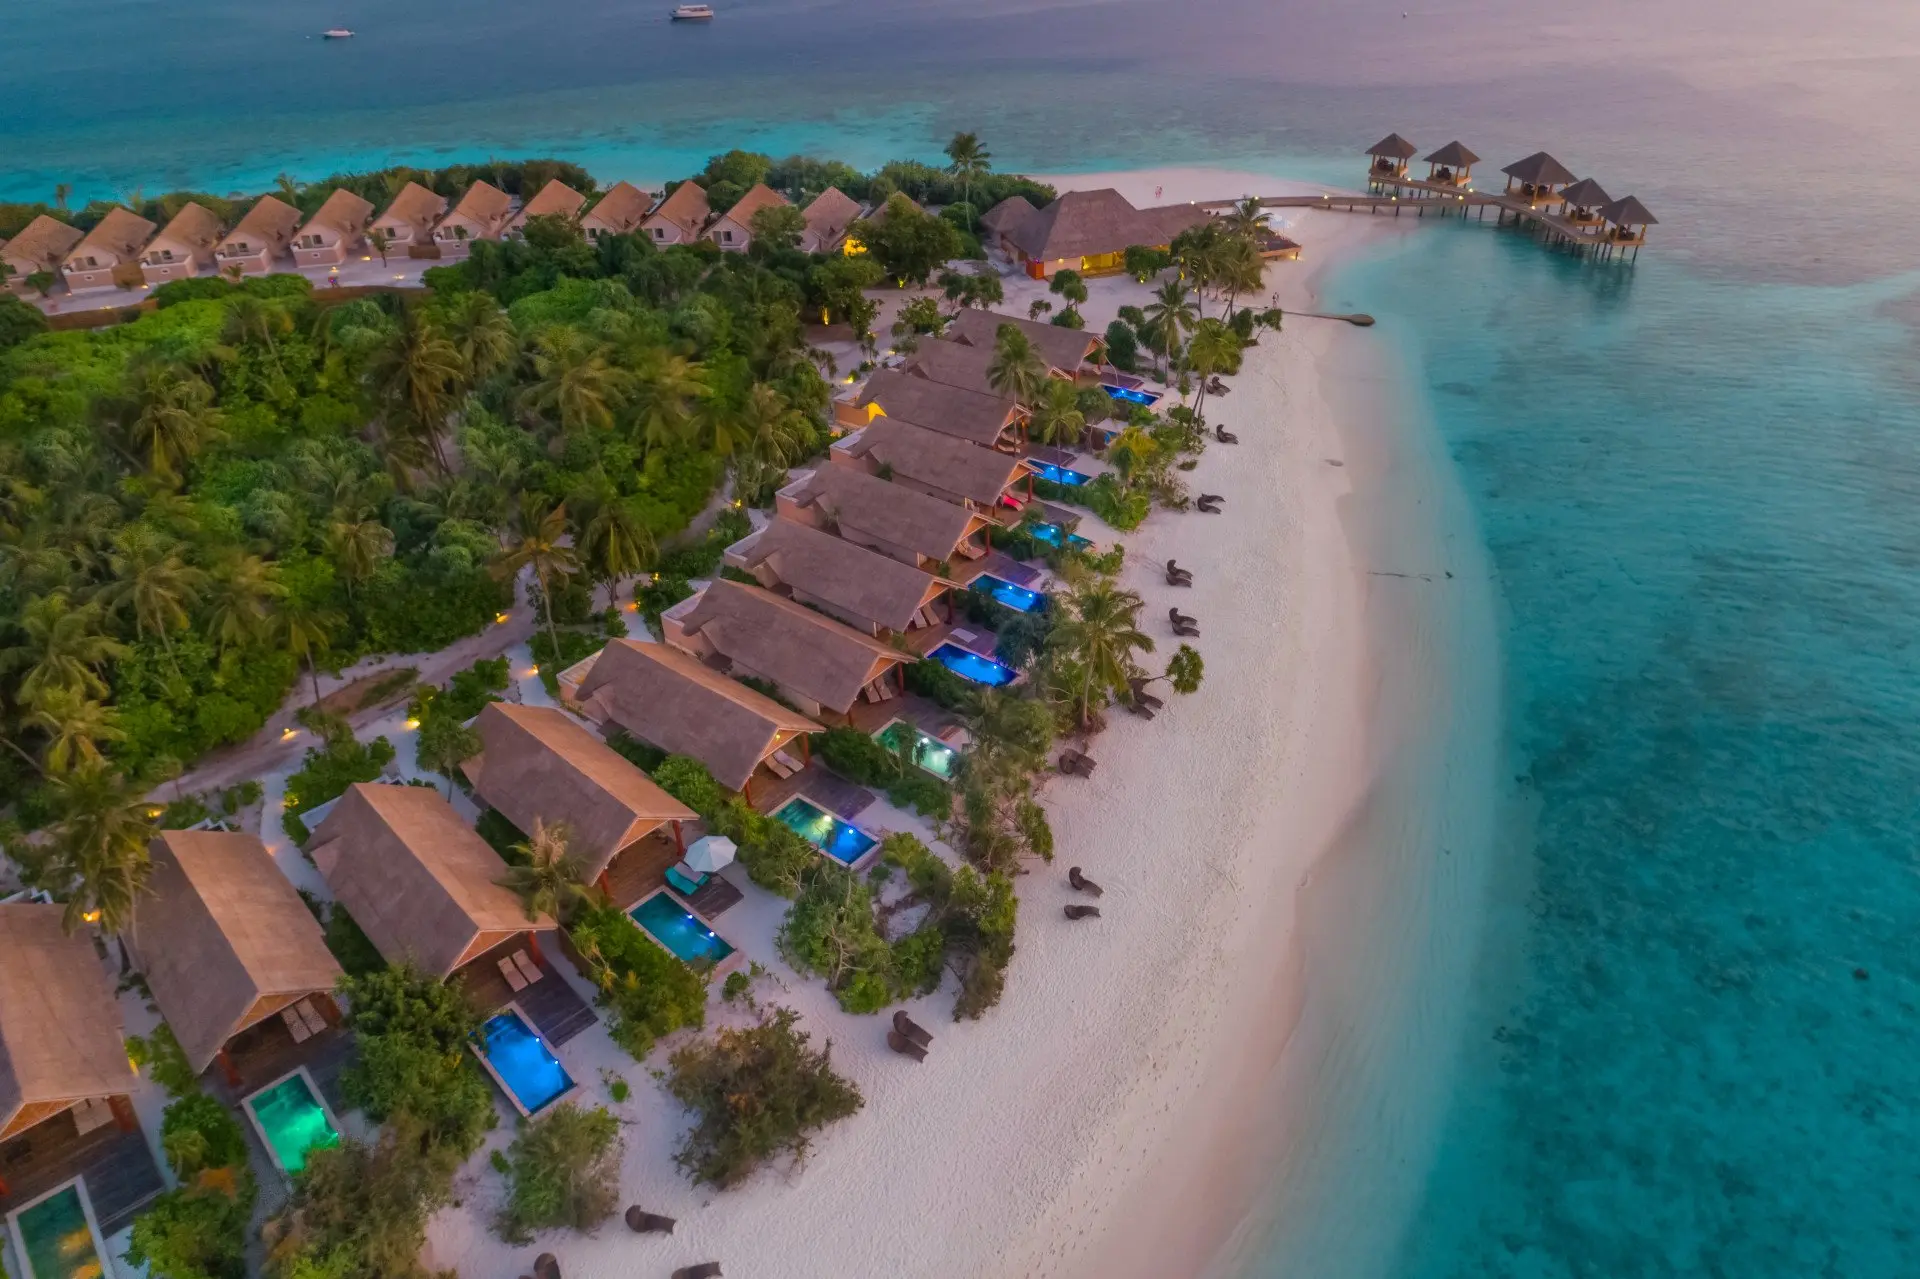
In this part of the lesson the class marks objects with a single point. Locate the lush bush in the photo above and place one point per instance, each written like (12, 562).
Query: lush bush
(687, 780)
(758, 1093)
(935, 682)
(921, 791)
(1123, 346)
(1122, 508)
(830, 932)
(1185, 669)
(198, 1133)
(165, 1061)
(649, 992)
(360, 1211)
(193, 1233)
(327, 770)
(350, 945)
(641, 755)
(563, 1169)
(502, 836)
(465, 695)
(412, 1032)
(859, 757)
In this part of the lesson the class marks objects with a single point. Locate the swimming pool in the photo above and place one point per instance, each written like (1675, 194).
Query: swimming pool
(1060, 474)
(1131, 396)
(1053, 535)
(520, 1061)
(292, 1119)
(1014, 597)
(981, 670)
(928, 752)
(57, 1238)
(835, 838)
(664, 919)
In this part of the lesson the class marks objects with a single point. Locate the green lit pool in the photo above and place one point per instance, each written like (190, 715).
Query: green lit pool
(55, 1234)
(928, 752)
(292, 1120)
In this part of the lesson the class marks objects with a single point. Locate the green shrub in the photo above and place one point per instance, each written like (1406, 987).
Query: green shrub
(351, 946)
(642, 756)
(502, 835)
(198, 1133)
(465, 695)
(688, 781)
(830, 932)
(935, 682)
(648, 991)
(856, 756)
(412, 1033)
(328, 770)
(193, 1233)
(921, 791)
(564, 1170)
(165, 1061)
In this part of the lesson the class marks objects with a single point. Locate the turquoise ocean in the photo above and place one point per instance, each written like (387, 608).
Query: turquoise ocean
(1689, 1044)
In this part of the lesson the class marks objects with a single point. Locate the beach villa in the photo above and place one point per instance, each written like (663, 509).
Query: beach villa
(1084, 231)
(952, 364)
(257, 244)
(537, 764)
(41, 246)
(983, 480)
(108, 257)
(979, 417)
(619, 212)
(680, 217)
(65, 1084)
(409, 221)
(1073, 354)
(1000, 219)
(733, 230)
(337, 229)
(828, 216)
(482, 214)
(555, 200)
(235, 960)
(877, 595)
(898, 522)
(184, 246)
(820, 665)
(674, 702)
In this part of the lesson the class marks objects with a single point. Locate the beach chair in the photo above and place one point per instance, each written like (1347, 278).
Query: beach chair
(1225, 436)
(296, 1025)
(311, 1016)
(510, 971)
(528, 969)
(1137, 708)
(1083, 912)
(642, 1222)
(1081, 883)
(685, 880)
(705, 1270)
(910, 1028)
(791, 764)
(905, 1046)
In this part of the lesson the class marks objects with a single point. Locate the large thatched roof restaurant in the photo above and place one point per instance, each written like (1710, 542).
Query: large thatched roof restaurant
(1085, 231)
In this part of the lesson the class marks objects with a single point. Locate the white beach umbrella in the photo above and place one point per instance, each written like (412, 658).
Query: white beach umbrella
(710, 853)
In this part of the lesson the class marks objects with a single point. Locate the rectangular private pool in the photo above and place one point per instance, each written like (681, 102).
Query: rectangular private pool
(1131, 395)
(929, 753)
(844, 843)
(981, 670)
(682, 932)
(520, 1061)
(1054, 535)
(56, 1236)
(292, 1119)
(1060, 474)
(1014, 597)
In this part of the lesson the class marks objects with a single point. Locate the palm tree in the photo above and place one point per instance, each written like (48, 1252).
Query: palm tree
(1131, 450)
(61, 190)
(357, 543)
(1247, 220)
(1240, 269)
(1057, 419)
(1100, 634)
(575, 384)
(307, 631)
(1016, 369)
(238, 602)
(970, 161)
(415, 377)
(153, 583)
(1170, 316)
(541, 546)
(75, 724)
(1213, 349)
(482, 334)
(666, 387)
(64, 648)
(250, 317)
(549, 881)
(614, 541)
(379, 242)
(99, 849)
(1198, 252)
(169, 416)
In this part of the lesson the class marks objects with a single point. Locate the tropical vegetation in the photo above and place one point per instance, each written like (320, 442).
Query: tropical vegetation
(563, 1169)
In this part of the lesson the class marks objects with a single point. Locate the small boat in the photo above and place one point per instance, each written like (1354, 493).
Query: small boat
(693, 13)
(336, 33)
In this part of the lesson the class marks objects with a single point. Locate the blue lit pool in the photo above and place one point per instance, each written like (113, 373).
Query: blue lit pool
(981, 670)
(824, 831)
(1148, 398)
(1014, 597)
(1060, 474)
(521, 1062)
(1053, 534)
(665, 920)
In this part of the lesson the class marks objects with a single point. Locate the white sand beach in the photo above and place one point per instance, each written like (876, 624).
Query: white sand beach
(1118, 1113)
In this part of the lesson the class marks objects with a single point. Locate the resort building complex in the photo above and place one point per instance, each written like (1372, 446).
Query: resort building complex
(409, 220)
(555, 200)
(733, 230)
(481, 214)
(619, 212)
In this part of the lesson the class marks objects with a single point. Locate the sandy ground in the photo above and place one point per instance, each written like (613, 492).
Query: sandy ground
(1092, 1124)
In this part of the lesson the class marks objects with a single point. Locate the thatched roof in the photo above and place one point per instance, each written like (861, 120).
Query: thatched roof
(60, 1033)
(1090, 223)
(1064, 349)
(759, 196)
(122, 233)
(1454, 156)
(555, 200)
(828, 216)
(483, 203)
(1587, 193)
(42, 243)
(343, 212)
(858, 584)
(417, 207)
(271, 222)
(1393, 147)
(220, 930)
(938, 461)
(420, 882)
(866, 505)
(679, 704)
(1540, 169)
(1628, 211)
(974, 416)
(686, 208)
(1007, 214)
(621, 209)
(195, 228)
(540, 763)
(806, 652)
(952, 364)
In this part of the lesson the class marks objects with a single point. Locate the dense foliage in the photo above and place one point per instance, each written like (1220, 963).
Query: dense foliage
(649, 992)
(360, 1209)
(197, 1133)
(194, 1232)
(412, 1032)
(563, 1169)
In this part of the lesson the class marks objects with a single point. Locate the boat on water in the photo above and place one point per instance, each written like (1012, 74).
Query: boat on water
(336, 33)
(693, 13)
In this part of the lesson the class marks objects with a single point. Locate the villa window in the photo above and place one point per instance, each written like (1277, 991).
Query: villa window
(727, 236)
(459, 233)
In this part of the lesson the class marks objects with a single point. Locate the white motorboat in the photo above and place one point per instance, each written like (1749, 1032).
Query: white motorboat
(693, 13)
(336, 33)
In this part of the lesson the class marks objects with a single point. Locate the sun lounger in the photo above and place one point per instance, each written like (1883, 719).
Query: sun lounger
(1142, 711)
(791, 764)
(1210, 503)
(310, 1015)
(1138, 687)
(515, 982)
(904, 1046)
(705, 1270)
(684, 880)
(642, 1222)
(296, 1025)
(1178, 618)
(528, 969)
(1081, 883)
(1074, 764)
(1083, 912)
(1225, 436)
(910, 1028)
(546, 1266)
(778, 767)
(1187, 631)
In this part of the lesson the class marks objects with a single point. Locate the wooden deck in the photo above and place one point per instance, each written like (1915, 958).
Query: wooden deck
(641, 871)
(557, 1013)
(929, 717)
(122, 1175)
(1441, 200)
(265, 1052)
(821, 785)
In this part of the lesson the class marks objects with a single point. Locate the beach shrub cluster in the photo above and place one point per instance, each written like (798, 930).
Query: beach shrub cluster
(563, 1169)
(649, 992)
(935, 682)
(165, 1062)
(198, 1133)
(412, 1032)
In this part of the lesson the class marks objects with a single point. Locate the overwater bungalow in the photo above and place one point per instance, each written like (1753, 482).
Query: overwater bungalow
(829, 215)
(108, 257)
(538, 764)
(1538, 179)
(1627, 221)
(261, 240)
(978, 417)
(1585, 199)
(872, 592)
(336, 231)
(897, 521)
(680, 217)
(554, 200)
(1451, 166)
(409, 221)
(1387, 160)
(733, 230)
(481, 214)
(1089, 232)
(995, 484)
(42, 245)
(65, 1080)
(184, 246)
(619, 212)
(820, 665)
(235, 960)
(1074, 354)
(677, 703)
